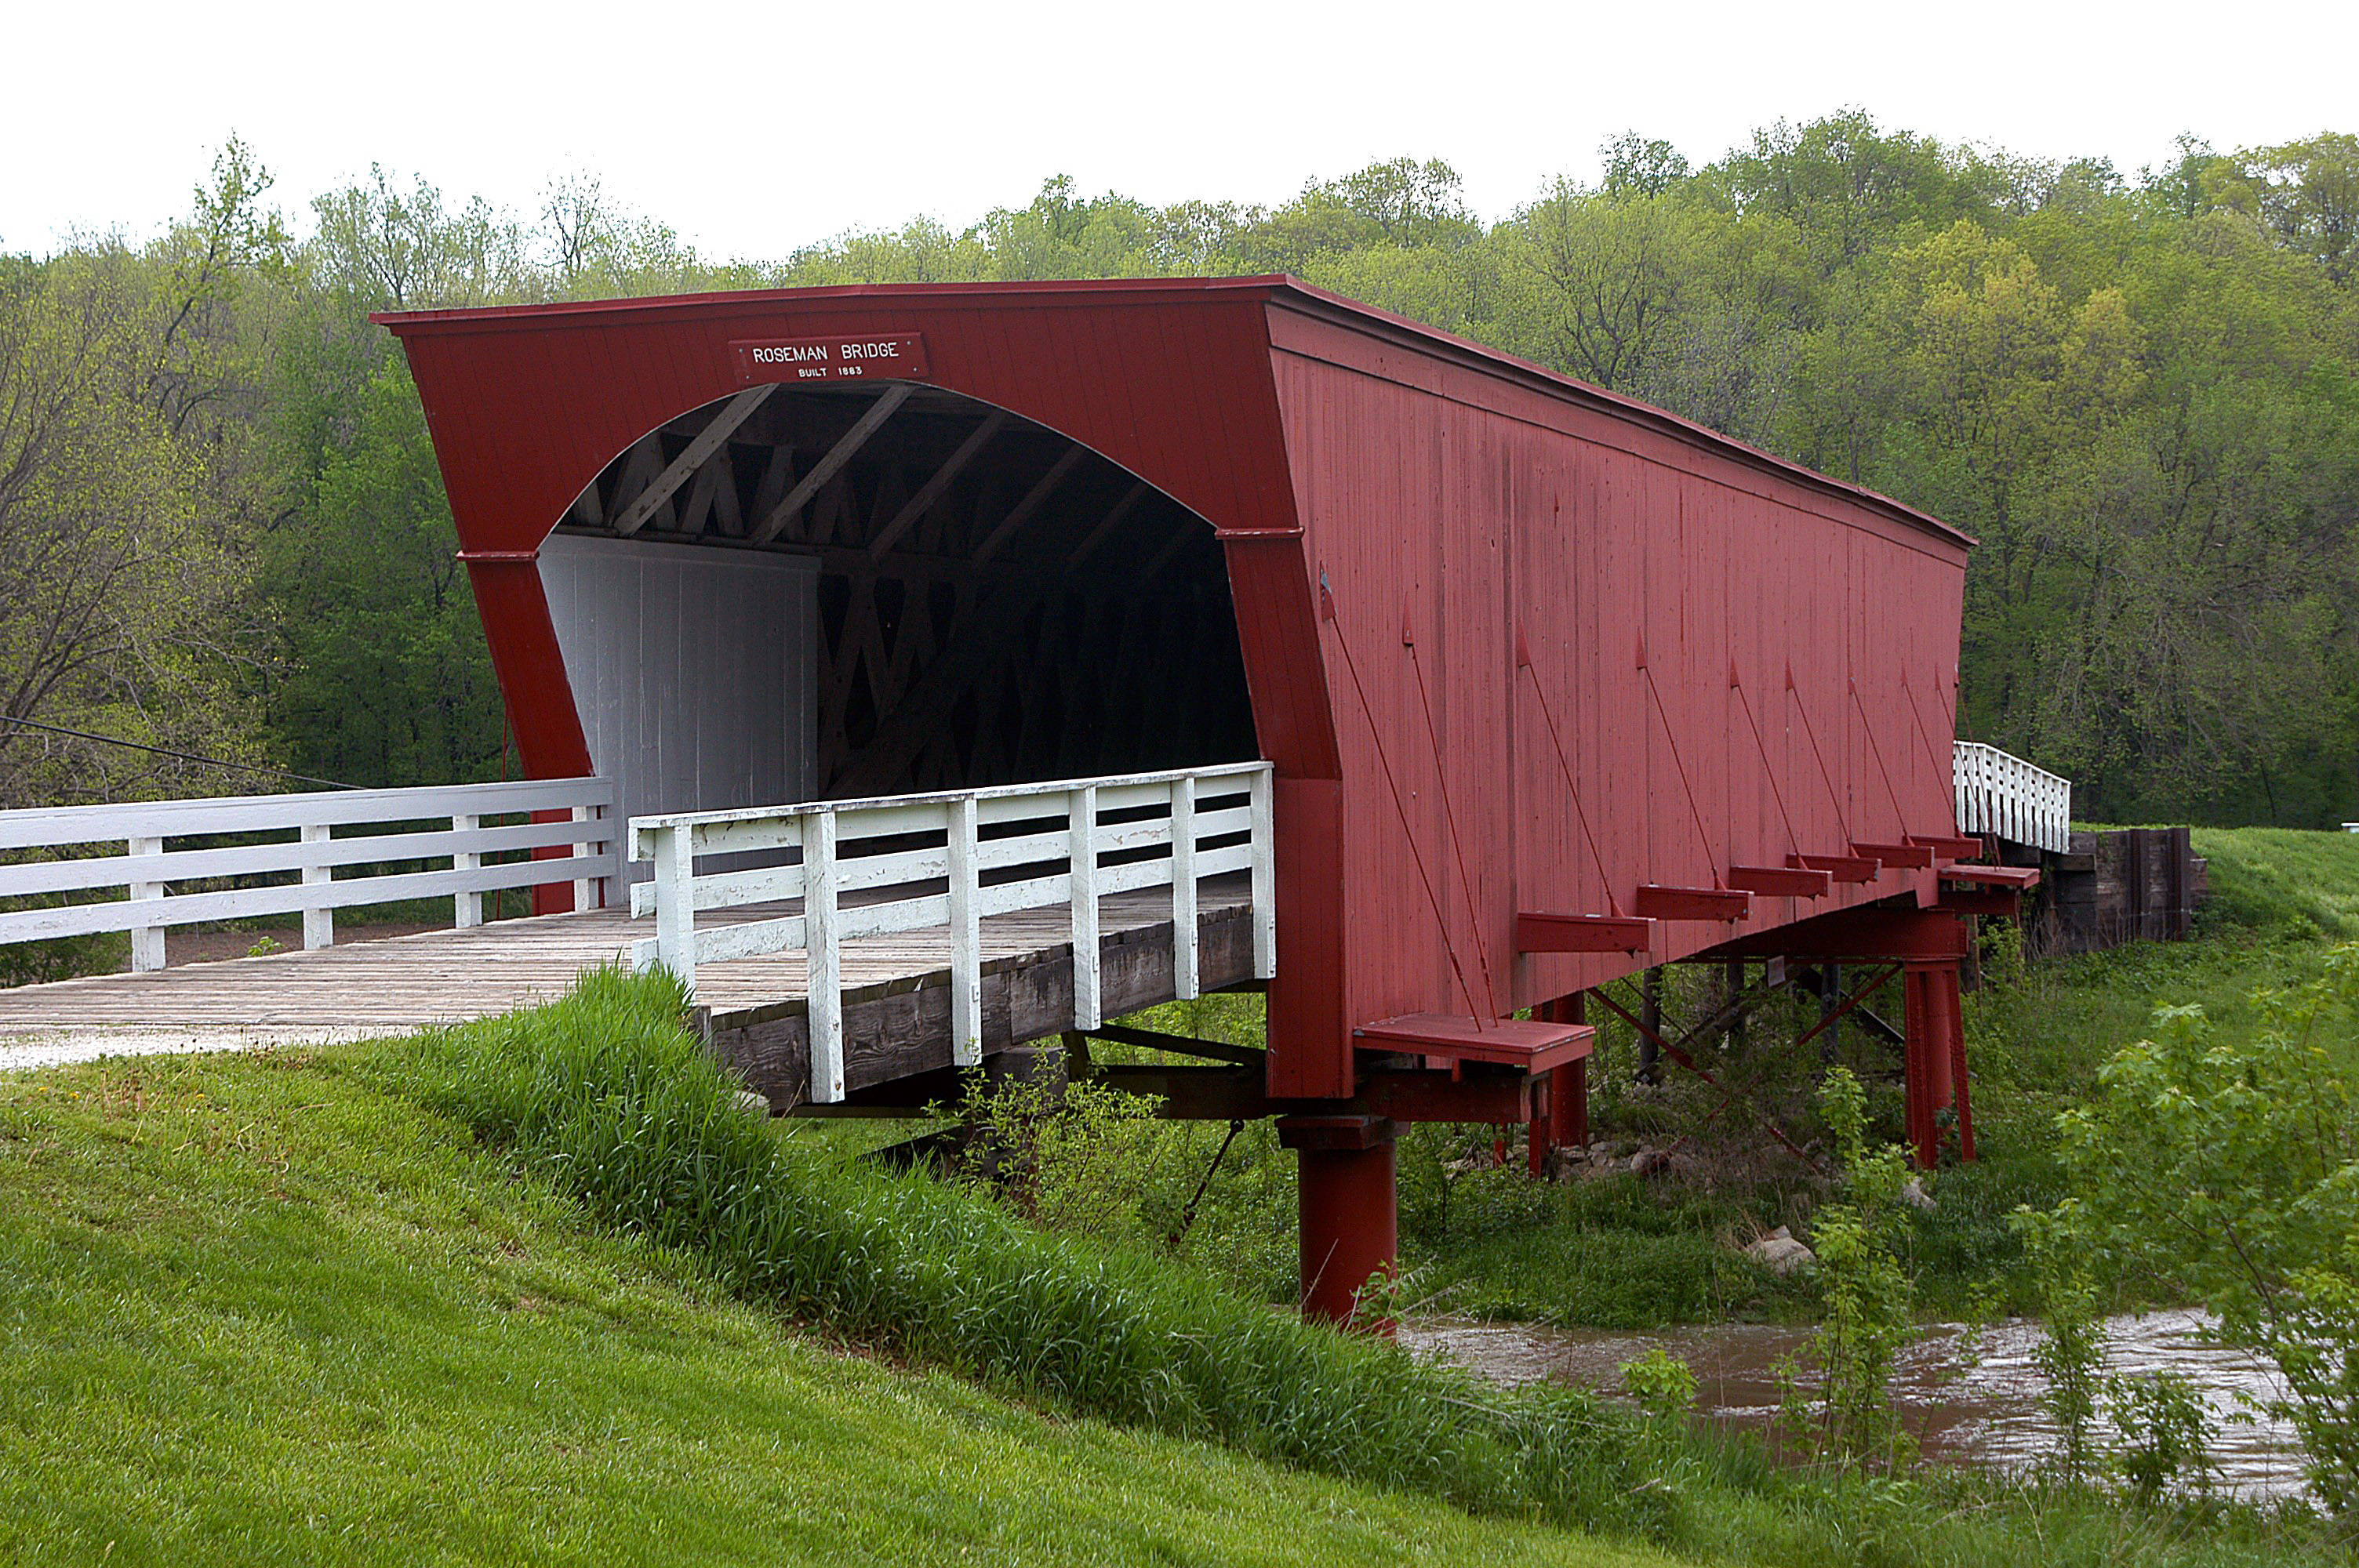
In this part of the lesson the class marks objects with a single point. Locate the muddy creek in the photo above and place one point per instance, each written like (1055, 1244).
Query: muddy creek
(1986, 1414)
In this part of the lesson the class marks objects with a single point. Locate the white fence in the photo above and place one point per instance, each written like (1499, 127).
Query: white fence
(1157, 830)
(2002, 794)
(133, 856)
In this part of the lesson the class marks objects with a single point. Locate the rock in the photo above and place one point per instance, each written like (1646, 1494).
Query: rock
(1779, 1253)
(752, 1103)
(1915, 1195)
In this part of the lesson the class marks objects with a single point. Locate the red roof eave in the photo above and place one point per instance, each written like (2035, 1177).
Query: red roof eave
(1142, 290)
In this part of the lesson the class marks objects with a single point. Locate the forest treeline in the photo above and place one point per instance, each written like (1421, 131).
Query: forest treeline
(221, 530)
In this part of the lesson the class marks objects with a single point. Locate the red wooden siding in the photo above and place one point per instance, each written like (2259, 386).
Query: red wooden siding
(1401, 511)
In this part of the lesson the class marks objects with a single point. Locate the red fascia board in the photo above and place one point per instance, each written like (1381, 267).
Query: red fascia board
(1025, 294)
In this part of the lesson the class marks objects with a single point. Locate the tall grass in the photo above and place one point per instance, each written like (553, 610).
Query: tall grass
(610, 1096)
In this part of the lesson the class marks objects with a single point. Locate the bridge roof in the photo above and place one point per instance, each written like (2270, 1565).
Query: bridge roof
(1086, 293)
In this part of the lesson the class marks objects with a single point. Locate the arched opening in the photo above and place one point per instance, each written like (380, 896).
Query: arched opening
(820, 592)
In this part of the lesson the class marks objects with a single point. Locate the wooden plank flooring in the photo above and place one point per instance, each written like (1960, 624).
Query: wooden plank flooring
(438, 976)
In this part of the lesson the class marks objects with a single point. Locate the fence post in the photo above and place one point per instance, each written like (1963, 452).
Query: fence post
(589, 892)
(676, 904)
(146, 941)
(966, 937)
(319, 925)
(1183, 887)
(1081, 841)
(1265, 877)
(823, 967)
(466, 908)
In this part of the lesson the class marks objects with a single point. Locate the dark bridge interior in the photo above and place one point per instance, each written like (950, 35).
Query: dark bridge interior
(997, 604)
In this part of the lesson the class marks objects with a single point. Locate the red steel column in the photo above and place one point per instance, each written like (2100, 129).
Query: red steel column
(1348, 1210)
(1935, 1047)
(1953, 1011)
(1565, 1122)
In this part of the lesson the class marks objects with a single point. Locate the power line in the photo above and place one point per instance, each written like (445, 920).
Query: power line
(169, 752)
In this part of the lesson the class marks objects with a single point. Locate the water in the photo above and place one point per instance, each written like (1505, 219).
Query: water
(1987, 1414)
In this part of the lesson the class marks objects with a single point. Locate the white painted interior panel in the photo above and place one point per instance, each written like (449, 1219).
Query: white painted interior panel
(695, 669)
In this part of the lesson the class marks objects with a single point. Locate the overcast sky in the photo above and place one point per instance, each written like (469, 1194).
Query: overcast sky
(754, 129)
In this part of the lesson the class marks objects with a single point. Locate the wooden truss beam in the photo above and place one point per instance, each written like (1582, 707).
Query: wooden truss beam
(1031, 503)
(719, 428)
(1097, 535)
(932, 490)
(836, 457)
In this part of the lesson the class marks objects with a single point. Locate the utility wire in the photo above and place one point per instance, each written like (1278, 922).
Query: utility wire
(168, 751)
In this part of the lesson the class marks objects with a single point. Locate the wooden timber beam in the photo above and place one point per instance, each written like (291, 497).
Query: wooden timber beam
(1917, 855)
(1842, 868)
(719, 428)
(932, 490)
(1870, 931)
(1582, 933)
(1949, 847)
(1031, 503)
(1179, 1044)
(836, 457)
(1657, 903)
(1781, 882)
(1097, 535)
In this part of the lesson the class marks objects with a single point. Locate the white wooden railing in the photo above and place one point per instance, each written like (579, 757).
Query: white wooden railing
(2002, 794)
(1158, 829)
(128, 849)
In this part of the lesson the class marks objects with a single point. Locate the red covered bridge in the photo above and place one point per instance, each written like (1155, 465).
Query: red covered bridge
(1555, 686)
(978, 663)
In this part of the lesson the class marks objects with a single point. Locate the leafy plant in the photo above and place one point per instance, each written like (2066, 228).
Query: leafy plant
(2167, 1432)
(1868, 1295)
(2231, 1168)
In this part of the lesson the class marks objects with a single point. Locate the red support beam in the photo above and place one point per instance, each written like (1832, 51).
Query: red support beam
(1842, 868)
(1582, 933)
(1949, 847)
(1916, 855)
(1692, 904)
(1781, 882)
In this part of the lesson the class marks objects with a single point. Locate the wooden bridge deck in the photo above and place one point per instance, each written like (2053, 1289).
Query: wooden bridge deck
(895, 989)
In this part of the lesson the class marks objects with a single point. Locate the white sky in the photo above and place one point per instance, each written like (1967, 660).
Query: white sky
(752, 129)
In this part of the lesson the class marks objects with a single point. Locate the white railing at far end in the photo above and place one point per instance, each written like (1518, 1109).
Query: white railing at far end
(131, 866)
(2002, 794)
(1165, 829)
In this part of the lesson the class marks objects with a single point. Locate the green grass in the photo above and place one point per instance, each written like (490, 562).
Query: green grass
(527, 1290)
(2281, 880)
(263, 1309)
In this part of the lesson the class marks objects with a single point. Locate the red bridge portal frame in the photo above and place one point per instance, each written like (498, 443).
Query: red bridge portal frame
(1557, 687)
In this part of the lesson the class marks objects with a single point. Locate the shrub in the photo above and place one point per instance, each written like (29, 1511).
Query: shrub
(2232, 1169)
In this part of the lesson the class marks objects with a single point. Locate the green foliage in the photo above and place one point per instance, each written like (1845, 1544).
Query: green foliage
(2231, 1168)
(1866, 1292)
(1075, 1157)
(2071, 1353)
(2167, 1433)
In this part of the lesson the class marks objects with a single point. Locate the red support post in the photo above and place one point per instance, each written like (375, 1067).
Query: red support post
(1347, 1211)
(1955, 1007)
(1934, 1054)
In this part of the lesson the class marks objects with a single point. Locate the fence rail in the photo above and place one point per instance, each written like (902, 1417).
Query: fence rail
(147, 869)
(2002, 794)
(980, 853)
